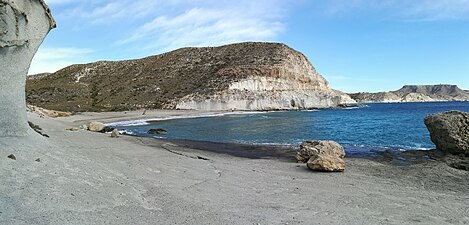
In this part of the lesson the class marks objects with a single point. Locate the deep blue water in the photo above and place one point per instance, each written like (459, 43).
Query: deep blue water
(367, 128)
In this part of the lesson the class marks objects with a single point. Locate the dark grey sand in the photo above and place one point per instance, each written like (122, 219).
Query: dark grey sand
(90, 178)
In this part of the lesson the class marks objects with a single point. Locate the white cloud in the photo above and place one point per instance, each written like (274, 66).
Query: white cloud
(143, 27)
(439, 9)
(107, 12)
(53, 59)
(418, 10)
(60, 2)
(206, 27)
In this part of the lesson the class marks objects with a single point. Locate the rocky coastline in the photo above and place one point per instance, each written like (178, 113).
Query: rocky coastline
(415, 93)
(148, 181)
(55, 170)
(450, 133)
(245, 76)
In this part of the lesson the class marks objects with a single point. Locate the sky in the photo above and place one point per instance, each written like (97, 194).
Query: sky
(357, 45)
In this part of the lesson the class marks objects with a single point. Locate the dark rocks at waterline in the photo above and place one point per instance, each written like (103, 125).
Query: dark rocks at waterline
(322, 156)
(107, 130)
(157, 131)
(449, 131)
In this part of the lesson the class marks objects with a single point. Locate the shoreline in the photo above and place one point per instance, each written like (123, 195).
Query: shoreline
(287, 153)
(142, 115)
(184, 115)
(90, 178)
(391, 155)
(135, 118)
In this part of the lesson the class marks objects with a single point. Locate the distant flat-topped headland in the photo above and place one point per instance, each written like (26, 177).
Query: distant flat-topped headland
(245, 76)
(416, 93)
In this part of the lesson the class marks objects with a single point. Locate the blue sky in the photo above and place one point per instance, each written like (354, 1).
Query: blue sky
(358, 45)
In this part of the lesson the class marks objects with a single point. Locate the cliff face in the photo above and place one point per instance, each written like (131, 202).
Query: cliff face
(416, 93)
(23, 27)
(246, 76)
(375, 97)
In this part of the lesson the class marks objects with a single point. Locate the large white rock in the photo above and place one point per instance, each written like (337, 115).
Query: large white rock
(23, 26)
(293, 83)
(96, 126)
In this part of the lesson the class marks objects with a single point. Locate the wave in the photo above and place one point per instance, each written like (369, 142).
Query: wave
(143, 122)
(129, 123)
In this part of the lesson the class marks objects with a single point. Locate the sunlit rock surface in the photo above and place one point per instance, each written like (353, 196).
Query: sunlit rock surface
(244, 76)
(23, 26)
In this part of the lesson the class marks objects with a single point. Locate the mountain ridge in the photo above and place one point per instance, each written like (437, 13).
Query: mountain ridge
(243, 76)
(415, 93)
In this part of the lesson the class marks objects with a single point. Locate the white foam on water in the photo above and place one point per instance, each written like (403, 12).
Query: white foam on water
(159, 137)
(349, 108)
(143, 122)
(127, 132)
(129, 123)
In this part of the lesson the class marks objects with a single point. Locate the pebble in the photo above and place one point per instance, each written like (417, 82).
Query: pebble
(13, 157)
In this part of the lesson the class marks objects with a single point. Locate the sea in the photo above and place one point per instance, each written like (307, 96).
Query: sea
(367, 128)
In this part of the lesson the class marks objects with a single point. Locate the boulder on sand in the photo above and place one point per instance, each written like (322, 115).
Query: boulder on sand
(322, 155)
(326, 163)
(450, 131)
(96, 126)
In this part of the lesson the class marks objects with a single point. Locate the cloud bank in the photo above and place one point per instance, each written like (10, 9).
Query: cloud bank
(144, 27)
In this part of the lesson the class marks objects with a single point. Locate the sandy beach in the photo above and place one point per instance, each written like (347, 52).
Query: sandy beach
(89, 178)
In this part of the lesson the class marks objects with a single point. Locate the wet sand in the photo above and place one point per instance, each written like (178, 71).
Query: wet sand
(90, 178)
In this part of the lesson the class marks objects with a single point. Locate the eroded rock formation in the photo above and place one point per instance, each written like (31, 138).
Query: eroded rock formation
(322, 156)
(245, 76)
(23, 26)
(450, 131)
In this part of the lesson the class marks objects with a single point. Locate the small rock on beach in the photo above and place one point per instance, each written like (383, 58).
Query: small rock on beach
(12, 156)
(115, 133)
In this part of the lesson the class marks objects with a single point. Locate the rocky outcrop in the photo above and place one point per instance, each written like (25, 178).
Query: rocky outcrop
(46, 112)
(450, 131)
(245, 76)
(322, 156)
(23, 26)
(375, 97)
(415, 93)
(417, 97)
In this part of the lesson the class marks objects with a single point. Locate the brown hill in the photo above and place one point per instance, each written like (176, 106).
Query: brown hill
(444, 90)
(246, 76)
(416, 93)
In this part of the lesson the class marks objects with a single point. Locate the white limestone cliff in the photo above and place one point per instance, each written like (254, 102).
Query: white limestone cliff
(23, 26)
(292, 84)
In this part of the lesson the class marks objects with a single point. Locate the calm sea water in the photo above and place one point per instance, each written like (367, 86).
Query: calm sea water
(371, 127)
